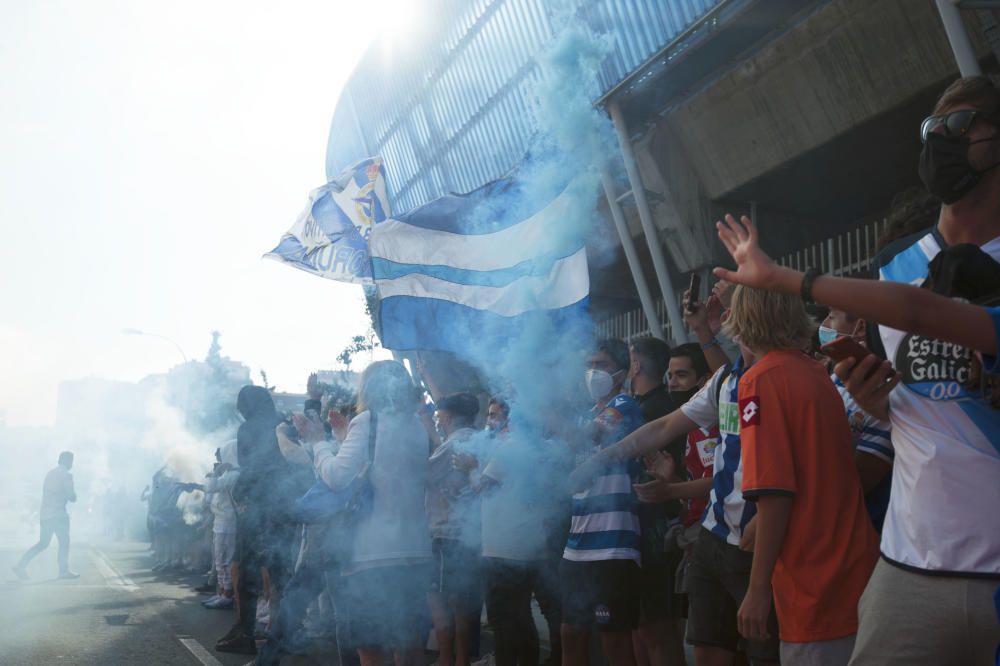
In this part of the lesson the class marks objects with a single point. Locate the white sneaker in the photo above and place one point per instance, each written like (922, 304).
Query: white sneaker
(210, 600)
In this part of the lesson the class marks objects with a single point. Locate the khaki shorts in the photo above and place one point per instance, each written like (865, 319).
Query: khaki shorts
(914, 619)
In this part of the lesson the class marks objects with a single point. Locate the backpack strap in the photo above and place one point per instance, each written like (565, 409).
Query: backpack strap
(727, 370)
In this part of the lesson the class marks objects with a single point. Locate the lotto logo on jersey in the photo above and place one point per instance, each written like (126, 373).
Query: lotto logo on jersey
(750, 411)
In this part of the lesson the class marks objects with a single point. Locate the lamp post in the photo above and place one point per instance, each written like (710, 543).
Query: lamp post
(135, 331)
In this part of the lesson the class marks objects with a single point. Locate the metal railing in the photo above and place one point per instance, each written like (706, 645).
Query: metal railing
(850, 253)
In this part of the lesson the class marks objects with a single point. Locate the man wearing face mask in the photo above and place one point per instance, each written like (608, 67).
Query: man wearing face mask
(871, 436)
(930, 598)
(599, 573)
(659, 641)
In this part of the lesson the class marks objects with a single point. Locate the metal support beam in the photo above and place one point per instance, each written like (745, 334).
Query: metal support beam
(648, 228)
(645, 297)
(958, 37)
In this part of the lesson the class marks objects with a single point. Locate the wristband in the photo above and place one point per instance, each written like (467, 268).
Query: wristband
(807, 284)
(714, 342)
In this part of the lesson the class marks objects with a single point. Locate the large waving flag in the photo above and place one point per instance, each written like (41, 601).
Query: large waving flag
(330, 237)
(463, 272)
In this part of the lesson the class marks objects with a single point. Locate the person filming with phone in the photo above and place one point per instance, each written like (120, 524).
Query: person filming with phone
(842, 335)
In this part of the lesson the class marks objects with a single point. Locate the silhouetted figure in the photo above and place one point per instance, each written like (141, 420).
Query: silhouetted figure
(53, 517)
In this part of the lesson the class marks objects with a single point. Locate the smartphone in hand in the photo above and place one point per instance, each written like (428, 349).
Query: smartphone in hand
(847, 347)
(694, 291)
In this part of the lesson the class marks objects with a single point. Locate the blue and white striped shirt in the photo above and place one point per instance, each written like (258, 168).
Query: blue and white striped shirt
(872, 436)
(727, 512)
(605, 523)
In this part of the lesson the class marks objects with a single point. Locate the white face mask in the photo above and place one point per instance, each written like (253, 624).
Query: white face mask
(599, 383)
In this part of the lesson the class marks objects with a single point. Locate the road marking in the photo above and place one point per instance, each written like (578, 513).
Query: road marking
(112, 576)
(200, 653)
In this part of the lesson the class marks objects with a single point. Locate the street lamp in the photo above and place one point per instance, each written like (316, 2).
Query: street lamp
(135, 331)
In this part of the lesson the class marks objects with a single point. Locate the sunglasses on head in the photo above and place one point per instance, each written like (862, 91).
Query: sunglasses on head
(956, 123)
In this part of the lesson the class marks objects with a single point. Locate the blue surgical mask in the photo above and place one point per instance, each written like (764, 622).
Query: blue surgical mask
(828, 335)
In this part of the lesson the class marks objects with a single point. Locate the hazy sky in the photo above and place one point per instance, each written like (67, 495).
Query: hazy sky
(150, 153)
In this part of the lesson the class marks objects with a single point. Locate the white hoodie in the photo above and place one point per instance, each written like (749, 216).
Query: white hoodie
(221, 488)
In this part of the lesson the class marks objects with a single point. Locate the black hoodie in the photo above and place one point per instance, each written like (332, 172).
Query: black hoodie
(267, 483)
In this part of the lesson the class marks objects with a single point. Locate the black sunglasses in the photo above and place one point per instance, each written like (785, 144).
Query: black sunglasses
(956, 123)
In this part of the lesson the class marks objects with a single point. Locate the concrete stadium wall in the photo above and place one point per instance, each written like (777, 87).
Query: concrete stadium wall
(848, 65)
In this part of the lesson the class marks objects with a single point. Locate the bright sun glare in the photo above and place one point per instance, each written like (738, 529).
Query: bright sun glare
(399, 18)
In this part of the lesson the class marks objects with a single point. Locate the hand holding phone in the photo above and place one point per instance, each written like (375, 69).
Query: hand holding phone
(843, 348)
(694, 292)
(846, 347)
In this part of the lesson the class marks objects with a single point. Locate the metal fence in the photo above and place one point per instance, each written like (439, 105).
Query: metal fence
(850, 253)
(459, 113)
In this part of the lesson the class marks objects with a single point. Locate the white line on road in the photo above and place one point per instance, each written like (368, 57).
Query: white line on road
(112, 576)
(200, 653)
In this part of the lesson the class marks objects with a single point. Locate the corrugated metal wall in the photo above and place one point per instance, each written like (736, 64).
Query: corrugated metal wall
(459, 113)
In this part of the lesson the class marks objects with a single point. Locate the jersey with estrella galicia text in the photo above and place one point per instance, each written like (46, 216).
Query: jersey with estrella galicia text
(946, 441)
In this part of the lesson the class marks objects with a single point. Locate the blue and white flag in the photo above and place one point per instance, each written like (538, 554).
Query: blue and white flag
(330, 237)
(462, 272)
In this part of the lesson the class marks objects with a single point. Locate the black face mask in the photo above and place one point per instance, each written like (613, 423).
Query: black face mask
(681, 397)
(945, 168)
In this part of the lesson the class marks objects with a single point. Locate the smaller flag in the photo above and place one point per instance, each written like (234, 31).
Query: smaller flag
(330, 237)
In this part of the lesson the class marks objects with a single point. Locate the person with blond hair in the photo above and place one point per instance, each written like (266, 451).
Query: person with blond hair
(815, 547)
(381, 593)
(950, 613)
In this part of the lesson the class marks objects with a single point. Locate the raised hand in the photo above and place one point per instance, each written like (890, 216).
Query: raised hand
(695, 314)
(338, 424)
(753, 267)
(309, 430)
(314, 388)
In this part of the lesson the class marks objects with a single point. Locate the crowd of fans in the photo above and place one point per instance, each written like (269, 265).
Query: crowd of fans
(733, 500)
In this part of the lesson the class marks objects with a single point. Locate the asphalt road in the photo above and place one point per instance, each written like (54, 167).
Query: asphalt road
(117, 612)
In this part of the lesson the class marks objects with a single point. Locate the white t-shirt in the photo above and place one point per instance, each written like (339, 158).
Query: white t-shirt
(944, 511)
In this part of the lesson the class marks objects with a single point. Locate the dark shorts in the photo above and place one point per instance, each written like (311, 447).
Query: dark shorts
(658, 598)
(718, 577)
(602, 594)
(383, 607)
(457, 573)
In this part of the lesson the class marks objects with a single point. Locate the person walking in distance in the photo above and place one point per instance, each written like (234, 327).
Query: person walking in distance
(56, 492)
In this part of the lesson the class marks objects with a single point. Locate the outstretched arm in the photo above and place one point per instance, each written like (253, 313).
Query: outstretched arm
(900, 306)
(647, 439)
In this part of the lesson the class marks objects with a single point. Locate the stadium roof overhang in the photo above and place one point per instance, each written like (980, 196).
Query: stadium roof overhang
(683, 67)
